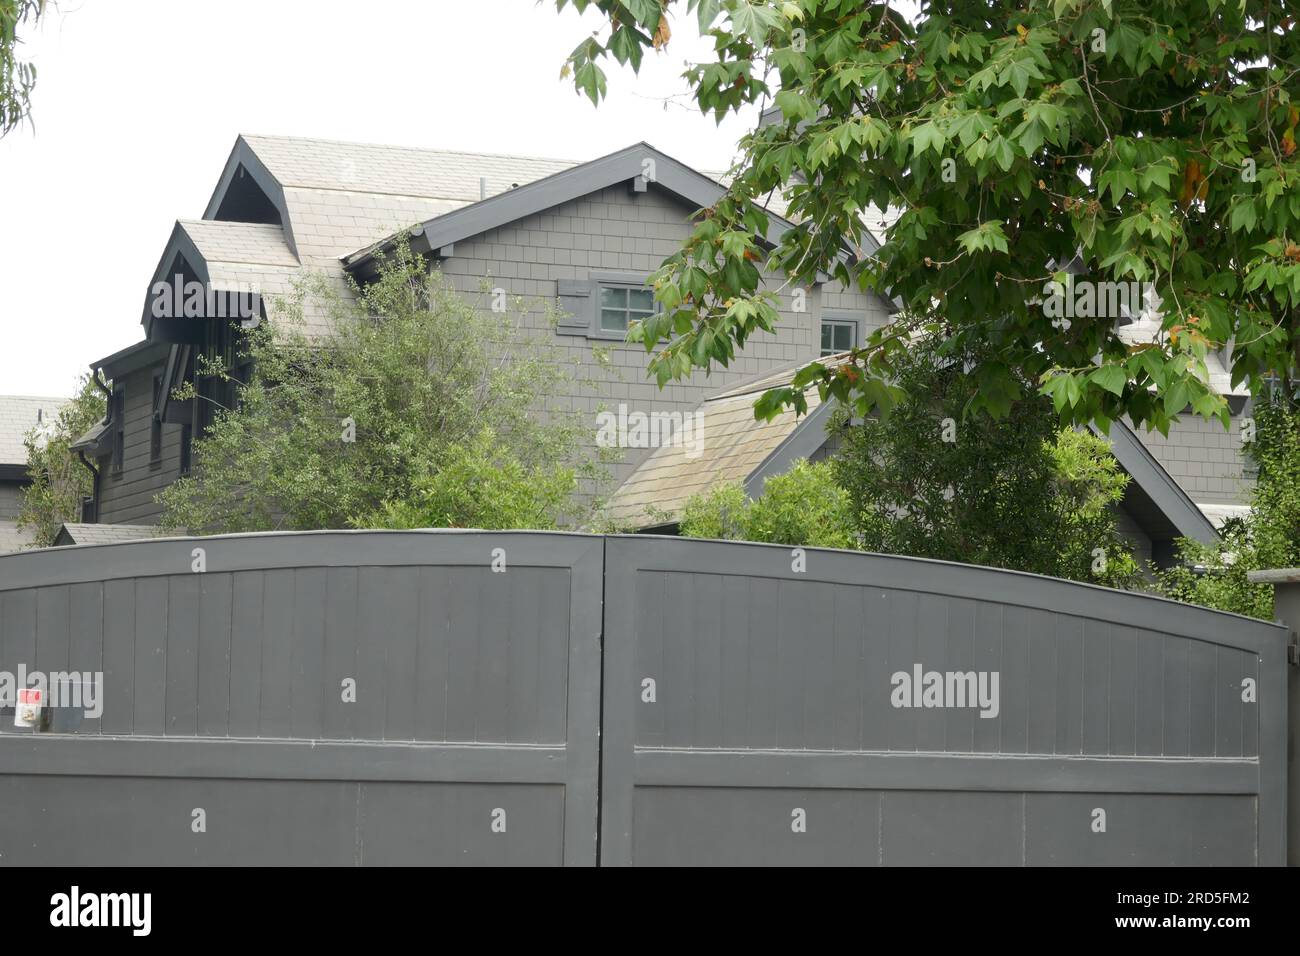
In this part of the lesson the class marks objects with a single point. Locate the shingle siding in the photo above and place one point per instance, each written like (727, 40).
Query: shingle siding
(340, 197)
(1204, 459)
(617, 231)
(11, 500)
(128, 499)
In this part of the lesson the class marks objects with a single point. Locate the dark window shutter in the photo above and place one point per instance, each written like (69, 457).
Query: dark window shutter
(576, 306)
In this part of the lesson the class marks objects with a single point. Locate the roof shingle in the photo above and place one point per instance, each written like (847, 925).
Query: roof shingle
(323, 164)
(18, 415)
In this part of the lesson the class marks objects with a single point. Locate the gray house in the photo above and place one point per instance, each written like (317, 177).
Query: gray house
(19, 414)
(584, 235)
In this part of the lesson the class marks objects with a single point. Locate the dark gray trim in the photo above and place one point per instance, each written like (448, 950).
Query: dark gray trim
(14, 472)
(243, 155)
(670, 175)
(117, 430)
(252, 759)
(170, 371)
(1157, 485)
(808, 436)
(95, 441)
(179, 244)
(130, 359)
(188, 330)
(840, 769)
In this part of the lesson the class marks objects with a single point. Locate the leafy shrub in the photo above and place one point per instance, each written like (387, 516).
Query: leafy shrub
(1268, 537)
(803, 508)
(59, 479)
(420, 408)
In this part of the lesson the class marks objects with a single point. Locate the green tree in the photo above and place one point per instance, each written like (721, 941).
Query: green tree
(1155, 138)
(931, 479)
(1269, 535)
(419, 410)
(480, 484)
(17, 77)
(1089, 485)
(803, 507)
(59, 479)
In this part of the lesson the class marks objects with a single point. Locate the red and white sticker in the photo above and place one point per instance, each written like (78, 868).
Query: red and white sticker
(30, 702)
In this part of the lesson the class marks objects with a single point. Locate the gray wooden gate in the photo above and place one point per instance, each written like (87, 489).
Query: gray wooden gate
(750, 718)
(438, 697)
(227, 736)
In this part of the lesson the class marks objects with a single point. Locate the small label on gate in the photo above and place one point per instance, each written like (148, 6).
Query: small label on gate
(31, 700)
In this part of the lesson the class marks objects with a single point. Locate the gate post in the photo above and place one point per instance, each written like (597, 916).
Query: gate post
(1286, 610)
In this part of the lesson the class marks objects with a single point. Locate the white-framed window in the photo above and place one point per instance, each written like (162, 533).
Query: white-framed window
(621, 303)
(838, 335)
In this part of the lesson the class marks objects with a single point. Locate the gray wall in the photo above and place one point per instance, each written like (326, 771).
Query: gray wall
(481, 690)
(617, 231)
(609, 231)
(1204, 459)
(128, 498)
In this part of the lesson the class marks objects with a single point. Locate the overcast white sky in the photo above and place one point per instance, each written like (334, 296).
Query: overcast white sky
(138, 103)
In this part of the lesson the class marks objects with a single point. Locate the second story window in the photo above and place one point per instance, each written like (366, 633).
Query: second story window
(117, 417)
(621, 304)
(155, 423)
(838, 335)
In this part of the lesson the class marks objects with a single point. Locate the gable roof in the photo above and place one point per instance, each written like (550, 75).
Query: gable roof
(328, 207)
(737, 447)
(333, 198)
(239, 243)
(227, 256)
(73, 533)
(451, 175)
(18, 415)
(1153, 497)
(734, 447)
(628, 165)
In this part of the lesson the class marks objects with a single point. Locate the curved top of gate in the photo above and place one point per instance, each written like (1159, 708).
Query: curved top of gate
(624, 554)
